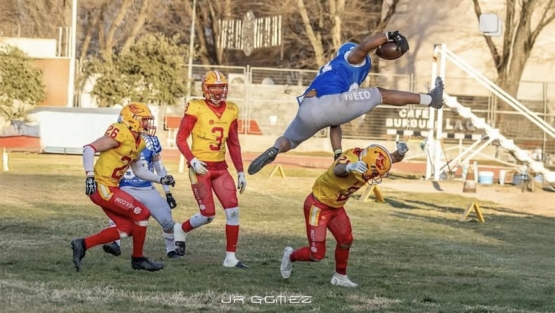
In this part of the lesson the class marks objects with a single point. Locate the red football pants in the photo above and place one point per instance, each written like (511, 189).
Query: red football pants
(319, 218)
(129, 215)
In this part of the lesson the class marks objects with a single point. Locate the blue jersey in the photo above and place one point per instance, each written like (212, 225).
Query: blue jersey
(153, 148)
(338, 75)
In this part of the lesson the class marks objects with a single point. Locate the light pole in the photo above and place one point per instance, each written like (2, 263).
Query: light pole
(72, 57)
(189, 72)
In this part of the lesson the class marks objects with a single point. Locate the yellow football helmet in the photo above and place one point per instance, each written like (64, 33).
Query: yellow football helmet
(138, 118)
(378, 161)
(214, 87)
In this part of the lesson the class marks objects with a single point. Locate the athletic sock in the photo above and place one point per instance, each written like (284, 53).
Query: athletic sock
(139, 235)
(232, 236)
(301, 254)
(107, 235)
(170, 242)
(341, 258)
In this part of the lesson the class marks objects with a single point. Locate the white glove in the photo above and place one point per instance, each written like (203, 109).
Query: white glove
(358, 166)
(199, 167)
(241, 182)
(402, 147)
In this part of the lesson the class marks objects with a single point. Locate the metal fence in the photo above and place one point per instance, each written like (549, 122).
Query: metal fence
(267, 96)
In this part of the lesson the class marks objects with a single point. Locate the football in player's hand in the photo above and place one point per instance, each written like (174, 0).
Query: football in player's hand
(389, 51)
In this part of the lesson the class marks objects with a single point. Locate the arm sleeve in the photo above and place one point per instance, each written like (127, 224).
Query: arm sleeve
(161, 170)
(88, 159)
(185, 128)
(234, 146)
(143, 173)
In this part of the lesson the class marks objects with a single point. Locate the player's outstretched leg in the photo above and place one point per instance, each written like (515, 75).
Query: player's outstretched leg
(112, 248)
(437, 94)
(342, 280)
(179, 237)
(144, 263)
(262, 160)
(286, 264)
(78, 247)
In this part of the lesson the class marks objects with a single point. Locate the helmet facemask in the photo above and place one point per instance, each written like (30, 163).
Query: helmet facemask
(378, 162)
(138, 118)
(214, 87)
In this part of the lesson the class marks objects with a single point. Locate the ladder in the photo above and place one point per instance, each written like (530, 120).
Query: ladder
(443, 54)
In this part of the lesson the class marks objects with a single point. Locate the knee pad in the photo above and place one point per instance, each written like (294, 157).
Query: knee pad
(317, 251)
(345, 243)
(232, 216)
(142, 223)
(140, 214)
(167, 226)
(198, 220)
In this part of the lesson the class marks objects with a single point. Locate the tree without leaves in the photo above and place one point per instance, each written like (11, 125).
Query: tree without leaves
(314, 29)
(32, 18)
(524, 21)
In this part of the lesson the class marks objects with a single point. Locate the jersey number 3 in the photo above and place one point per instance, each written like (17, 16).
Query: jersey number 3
(219, 131)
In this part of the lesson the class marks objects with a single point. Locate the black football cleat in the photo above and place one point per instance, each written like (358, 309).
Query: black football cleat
(174, 255)
(262, 160)
(78, 247)
(241, 265)
(437, 94)
(112, 248)
(180, 248)
(144, 263)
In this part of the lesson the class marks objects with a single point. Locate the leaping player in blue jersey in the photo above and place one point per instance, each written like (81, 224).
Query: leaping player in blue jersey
(334, 98)
(146, 193)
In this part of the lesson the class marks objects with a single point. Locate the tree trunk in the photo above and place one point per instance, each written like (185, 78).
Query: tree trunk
(314, 37)
(109, 41)
(137, 26)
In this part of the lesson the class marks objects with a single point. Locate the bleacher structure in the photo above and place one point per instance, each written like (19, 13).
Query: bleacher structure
(442, 55)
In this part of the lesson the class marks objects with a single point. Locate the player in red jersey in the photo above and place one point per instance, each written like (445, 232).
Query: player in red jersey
(324, 207)
(120, 148)
(212, 124)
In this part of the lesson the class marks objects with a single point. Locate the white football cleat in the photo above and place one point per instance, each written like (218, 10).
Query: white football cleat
(286, 264)
(342, 280)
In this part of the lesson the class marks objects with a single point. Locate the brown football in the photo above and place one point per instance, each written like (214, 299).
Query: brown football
(389, 51)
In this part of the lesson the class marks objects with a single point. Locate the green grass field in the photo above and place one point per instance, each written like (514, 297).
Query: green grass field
(409, 255)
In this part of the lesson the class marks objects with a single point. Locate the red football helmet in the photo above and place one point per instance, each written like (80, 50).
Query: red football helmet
(214, 87)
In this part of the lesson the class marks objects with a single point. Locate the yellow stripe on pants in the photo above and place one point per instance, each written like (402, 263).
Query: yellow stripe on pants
(314, 215)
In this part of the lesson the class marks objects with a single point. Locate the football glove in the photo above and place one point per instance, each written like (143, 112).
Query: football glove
(400, 40)
(171, 200)
(241, 182)
(90, 186)
(199, 167)
(358, 166)
(167, 180)
(402, 147)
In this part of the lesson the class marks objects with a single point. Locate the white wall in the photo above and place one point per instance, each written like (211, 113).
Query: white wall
(33, 47)
(67, 130)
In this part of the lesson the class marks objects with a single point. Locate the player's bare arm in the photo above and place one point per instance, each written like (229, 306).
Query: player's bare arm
(397, 157)
(335, 138)
(340, 170)
(359, 53)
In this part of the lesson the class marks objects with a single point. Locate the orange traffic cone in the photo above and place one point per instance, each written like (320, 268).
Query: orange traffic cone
(469, 181)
